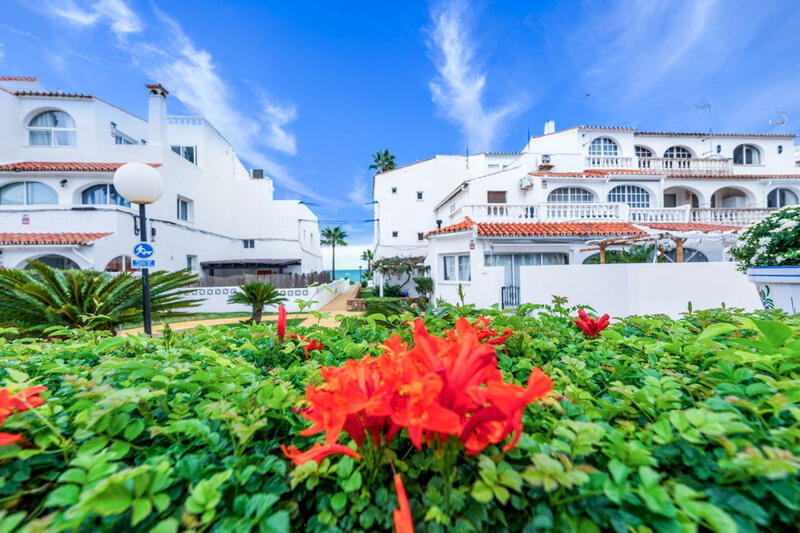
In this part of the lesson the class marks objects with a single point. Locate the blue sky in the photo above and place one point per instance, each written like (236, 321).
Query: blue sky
(309, 90)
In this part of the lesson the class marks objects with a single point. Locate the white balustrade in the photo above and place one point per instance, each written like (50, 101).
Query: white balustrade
(660, 214)
(727, 216)
(713, 167)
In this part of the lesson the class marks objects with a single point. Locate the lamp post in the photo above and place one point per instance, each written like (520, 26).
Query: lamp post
(140, 184)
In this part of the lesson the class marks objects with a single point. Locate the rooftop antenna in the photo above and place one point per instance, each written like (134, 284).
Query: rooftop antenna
(706, 106)
(780, 120)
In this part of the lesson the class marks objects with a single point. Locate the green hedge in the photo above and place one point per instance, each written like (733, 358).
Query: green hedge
(659, 425)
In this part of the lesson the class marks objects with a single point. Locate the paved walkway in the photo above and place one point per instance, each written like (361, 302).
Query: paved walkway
(337, 306)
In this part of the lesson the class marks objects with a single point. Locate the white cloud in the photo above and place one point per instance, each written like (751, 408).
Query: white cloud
(120, 18)
(460, 86)
(275, 117)
(2, 52)
(359, 194)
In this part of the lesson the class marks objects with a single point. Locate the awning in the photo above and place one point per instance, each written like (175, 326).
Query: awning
(249, 263)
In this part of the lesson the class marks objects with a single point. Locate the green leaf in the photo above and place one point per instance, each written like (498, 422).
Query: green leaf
(775, 332)
(482, 492)
(134, 429)
(352, 483)
(276, 523)
(338, 502)
(111, 343)
(63, 496)
(715, 330)
(141, 509)
(170, 525)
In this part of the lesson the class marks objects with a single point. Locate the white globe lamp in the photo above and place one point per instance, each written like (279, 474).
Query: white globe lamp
(138, 183)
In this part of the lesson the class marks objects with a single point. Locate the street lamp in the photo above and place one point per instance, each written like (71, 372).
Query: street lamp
(140, 184)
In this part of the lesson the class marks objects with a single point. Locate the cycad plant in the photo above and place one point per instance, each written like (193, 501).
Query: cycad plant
(257, 294)
(41, 297)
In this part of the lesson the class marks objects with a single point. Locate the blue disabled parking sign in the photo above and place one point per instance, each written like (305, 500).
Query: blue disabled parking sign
(143, 255)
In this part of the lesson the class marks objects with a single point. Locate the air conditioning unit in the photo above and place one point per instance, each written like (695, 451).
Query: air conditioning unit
(257, 173)
(525, 183)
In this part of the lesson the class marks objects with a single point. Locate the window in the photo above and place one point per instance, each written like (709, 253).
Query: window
(496, 197)
(394, 190)
(103, 194)
(643, 155)
(191, 262)
(571, 195)
(456, 268)
(189, 153)
(184, 211)
(394, 234)
(511, 263)
(419, 195)
(420, 236)
(56, 261)
(51, 128)
(603, 146)
(121, 263)
(27, 193)
(746, 154)
(630, 194)
(781, 198)
(678, 152)
(249, 243)
(493, 166)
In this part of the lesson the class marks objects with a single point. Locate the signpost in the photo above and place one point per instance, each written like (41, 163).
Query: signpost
(143, 253)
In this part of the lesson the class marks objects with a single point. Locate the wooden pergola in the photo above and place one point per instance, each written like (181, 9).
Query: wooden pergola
(657, 237)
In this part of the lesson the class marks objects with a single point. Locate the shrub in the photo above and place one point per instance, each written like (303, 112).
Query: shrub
(256, 294)
(655, 424)
(44, 297)
(772, 241)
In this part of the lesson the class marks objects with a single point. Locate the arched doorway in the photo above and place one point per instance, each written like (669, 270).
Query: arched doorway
(121, 263)
(731, 197)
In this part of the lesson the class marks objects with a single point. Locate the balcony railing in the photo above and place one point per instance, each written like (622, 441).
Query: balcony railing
(713, 167)
(729, 216)
(609, 212)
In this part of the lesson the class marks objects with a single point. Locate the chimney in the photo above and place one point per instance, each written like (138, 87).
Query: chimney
(157, 113)
(549, 127)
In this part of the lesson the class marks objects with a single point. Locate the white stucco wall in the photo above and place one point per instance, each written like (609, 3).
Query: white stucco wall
(637, 289)
(215, 299)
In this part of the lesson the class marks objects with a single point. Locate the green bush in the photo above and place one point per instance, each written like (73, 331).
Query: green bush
(657, 425)
(772, 241)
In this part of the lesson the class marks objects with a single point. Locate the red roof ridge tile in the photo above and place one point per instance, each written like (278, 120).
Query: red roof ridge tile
(63, 166)
(540, 229)
(17, 78)
(51, 238)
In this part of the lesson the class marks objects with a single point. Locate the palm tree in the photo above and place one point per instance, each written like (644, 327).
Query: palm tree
(256, 294)
(368, 256)
(41, 297)
(382, 160)
(333, 237)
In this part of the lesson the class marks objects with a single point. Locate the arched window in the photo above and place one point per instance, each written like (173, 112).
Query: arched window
(121, 263)
(570, 195)
(678, 152)
(603, 146)
(51, 128)
(103, 194)
(629, 194)
(56, 261)
(27, 193)
(781, 198)
(746, 154)
(643, 156)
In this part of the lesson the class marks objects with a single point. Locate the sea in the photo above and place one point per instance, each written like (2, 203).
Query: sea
(352, 274)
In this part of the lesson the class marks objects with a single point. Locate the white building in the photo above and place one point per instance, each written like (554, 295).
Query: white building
(565, 188)
(58, 154)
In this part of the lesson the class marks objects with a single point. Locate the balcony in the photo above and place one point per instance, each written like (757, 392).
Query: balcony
(663, 165)
(608, 212)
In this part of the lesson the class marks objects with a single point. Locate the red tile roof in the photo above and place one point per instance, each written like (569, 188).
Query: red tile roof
(17, 78)
(541, 229)
(689, 226)
(51, 94)
(50, 238)
(67, 166)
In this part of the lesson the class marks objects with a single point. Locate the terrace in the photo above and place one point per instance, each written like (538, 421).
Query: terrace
(704, 167)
